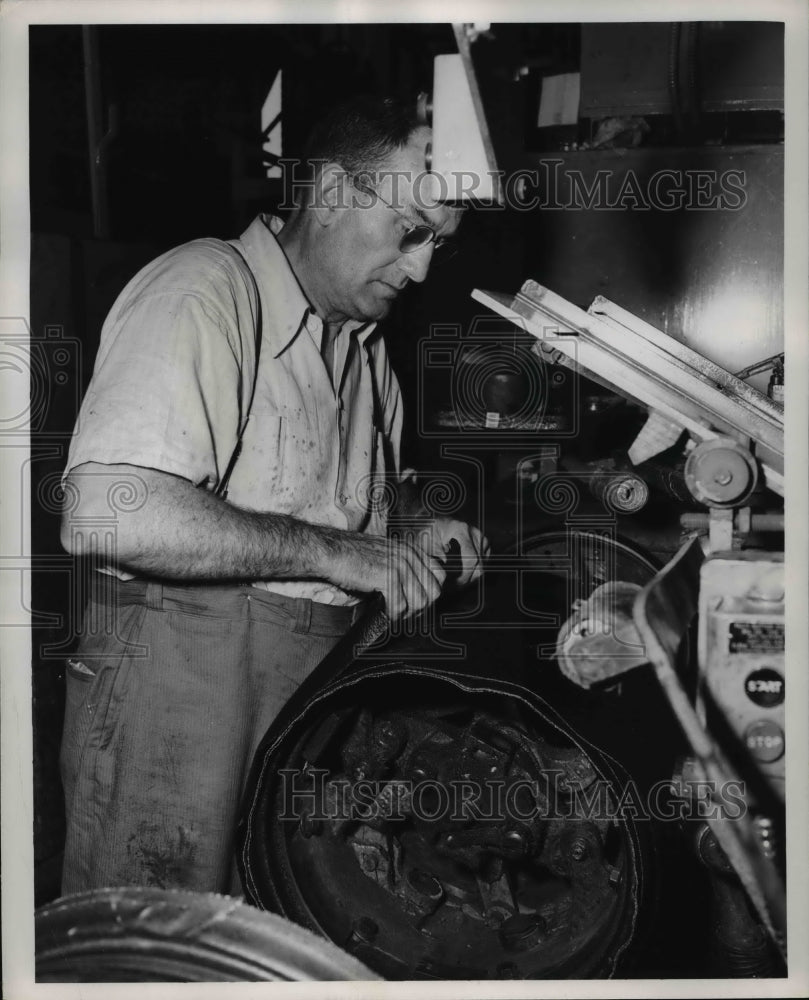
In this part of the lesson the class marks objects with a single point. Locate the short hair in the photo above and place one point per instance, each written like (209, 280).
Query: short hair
(360, 134)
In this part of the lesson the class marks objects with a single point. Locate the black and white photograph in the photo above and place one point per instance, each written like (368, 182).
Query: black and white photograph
(404, 442)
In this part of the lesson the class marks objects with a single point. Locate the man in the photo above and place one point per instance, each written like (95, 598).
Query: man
(241, 416)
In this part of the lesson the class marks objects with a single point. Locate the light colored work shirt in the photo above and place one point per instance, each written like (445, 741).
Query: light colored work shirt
(173, 379)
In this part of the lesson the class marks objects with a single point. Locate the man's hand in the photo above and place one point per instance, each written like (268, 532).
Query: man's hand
(407, 575)
(474, 548)
(438, 533)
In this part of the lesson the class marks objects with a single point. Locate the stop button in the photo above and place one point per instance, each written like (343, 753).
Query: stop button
(765, 741)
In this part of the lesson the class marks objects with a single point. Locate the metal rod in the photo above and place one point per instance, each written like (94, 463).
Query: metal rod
(95, 129)
(694, 520)
(759, 366)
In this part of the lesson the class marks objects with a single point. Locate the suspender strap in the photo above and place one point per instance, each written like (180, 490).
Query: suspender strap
(379, 419)
(222, 488)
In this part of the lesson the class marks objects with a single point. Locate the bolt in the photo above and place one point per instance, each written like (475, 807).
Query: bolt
(578, 848)
(724, 477)
(514, 842)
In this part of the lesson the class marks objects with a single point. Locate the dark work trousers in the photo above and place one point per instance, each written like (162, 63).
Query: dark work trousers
(168, 697)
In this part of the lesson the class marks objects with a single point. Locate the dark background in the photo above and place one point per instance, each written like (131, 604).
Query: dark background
(182, 159)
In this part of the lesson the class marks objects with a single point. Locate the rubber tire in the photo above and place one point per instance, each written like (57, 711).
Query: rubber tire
(162, 935)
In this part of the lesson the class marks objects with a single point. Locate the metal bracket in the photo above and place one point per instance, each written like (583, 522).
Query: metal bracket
(637, 361)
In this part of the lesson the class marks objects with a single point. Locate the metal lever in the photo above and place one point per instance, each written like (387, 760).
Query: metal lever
(760, 366)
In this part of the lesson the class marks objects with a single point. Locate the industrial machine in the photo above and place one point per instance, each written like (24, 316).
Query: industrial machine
(370, 816)
(733, 718)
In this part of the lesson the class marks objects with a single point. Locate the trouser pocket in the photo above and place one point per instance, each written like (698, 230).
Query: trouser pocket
(82, 691)
(90, 679)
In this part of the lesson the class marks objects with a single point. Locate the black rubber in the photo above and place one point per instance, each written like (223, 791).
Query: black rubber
(158, 935)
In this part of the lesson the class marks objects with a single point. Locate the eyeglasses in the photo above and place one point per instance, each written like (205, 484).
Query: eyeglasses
(417, 236)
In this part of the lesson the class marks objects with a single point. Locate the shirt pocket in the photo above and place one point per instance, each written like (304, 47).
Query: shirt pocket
(307, 456)
(257, 478)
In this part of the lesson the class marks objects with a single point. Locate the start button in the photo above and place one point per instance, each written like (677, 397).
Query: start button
(765, 687)
(765, 741)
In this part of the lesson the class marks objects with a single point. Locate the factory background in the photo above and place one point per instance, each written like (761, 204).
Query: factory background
(662, 191)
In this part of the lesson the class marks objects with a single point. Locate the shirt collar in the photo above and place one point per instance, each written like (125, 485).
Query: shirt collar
(283, 301)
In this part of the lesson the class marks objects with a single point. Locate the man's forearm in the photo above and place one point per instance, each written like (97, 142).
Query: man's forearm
(174, 530)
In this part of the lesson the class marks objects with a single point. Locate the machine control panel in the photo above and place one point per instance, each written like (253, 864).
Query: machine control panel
(741, 657)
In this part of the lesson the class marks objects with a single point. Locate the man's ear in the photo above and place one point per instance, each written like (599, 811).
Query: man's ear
(332, 193)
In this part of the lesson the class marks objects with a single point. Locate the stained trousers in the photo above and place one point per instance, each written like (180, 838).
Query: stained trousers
(168, 696)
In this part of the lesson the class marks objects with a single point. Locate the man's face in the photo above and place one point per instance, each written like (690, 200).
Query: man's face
(368, 268)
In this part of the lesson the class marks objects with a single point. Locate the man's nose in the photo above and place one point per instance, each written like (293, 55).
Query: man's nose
(416, 264)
